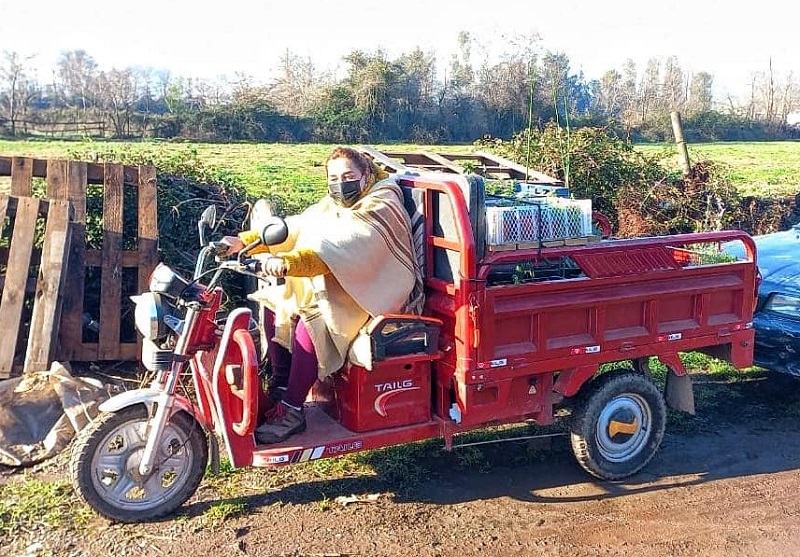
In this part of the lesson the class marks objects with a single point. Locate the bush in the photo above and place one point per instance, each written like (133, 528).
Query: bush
(639, 195)
(592, 162)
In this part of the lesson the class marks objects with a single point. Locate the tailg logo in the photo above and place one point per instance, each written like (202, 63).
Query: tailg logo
(394, 385)
(390, 389)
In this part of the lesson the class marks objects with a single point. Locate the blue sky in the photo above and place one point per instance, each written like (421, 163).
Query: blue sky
(199, 39)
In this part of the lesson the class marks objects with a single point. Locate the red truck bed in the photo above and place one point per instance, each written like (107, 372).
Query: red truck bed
(525, 328)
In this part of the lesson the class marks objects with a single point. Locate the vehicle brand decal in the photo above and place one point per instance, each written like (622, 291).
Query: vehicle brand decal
(493, 363)
(314, 453)
(585, 350)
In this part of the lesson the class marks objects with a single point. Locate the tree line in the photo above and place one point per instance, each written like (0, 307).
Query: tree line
(380, 98)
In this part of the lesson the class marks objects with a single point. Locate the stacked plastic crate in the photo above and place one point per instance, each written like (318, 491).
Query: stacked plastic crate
(539, 222)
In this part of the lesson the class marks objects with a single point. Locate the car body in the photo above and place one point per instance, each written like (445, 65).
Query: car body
(777, 317)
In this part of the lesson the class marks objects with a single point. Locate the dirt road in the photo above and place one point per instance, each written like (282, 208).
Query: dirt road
(728, 486)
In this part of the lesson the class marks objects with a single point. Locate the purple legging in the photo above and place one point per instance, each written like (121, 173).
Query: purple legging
(296, 370)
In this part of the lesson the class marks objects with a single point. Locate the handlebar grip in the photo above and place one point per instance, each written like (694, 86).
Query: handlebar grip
(257, 266)
(253, 265)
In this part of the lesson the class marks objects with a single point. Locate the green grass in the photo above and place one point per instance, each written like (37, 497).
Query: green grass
(759, 168)
(33, 504)
(767, 168)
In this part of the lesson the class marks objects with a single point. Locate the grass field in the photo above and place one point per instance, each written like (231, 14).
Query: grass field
(758, 168)
(765, 168)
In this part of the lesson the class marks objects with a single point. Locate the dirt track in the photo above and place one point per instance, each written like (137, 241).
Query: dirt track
(729, 487)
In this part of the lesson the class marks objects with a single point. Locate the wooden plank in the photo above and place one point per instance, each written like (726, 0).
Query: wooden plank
(76, 190)
(445, 162)
(148, 225)
(46, 316)
(21, 176)
(57, 179)
(147, 242)
(128, 258)
(36, 254)
(71, 329)
(377, 156)
(30, 284)
(95, 171)
(4, 203)
(523, 171)
(111, 281)
(16, 276)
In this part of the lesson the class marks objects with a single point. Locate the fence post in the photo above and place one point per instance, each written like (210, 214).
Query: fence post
(683, 151)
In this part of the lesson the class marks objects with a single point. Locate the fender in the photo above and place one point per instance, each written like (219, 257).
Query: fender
(239, 448)
(146, 396)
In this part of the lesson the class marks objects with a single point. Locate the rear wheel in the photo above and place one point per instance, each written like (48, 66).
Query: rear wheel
(618, 425)
(105, 465)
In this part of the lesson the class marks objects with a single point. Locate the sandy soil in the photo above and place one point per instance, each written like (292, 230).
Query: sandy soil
(729, 487)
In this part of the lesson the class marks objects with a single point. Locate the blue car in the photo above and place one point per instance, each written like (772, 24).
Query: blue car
(777, 316)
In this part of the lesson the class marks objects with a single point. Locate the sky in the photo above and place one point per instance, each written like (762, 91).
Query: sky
(208, 39)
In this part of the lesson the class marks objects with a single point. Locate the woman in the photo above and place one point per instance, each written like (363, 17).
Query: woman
(348, 258)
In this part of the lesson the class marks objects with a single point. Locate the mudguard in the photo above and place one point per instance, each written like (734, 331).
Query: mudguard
(146, 396)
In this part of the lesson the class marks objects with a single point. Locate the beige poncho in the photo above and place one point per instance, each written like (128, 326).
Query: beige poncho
(368, 250)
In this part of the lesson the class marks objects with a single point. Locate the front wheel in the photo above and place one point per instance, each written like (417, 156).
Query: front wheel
(105, 465)
(618, 425)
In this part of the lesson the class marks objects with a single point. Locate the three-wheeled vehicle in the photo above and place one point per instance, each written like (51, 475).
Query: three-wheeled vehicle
(507, 335)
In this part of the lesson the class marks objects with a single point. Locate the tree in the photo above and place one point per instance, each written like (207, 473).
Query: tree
(700, 93)
(630, 95)
(457, 111)
(117, 94)
(673, 89)
(649, 91)
(414, 94)
(77, 72)
(293, 91)
(611, 95)
(18, 88)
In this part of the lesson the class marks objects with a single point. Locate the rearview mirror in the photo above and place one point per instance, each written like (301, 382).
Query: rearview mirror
(208, 219)
(275, 231)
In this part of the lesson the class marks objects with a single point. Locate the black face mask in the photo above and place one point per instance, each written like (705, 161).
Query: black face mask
(345, 193)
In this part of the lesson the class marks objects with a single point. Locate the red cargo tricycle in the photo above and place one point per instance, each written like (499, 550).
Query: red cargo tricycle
(507, 335)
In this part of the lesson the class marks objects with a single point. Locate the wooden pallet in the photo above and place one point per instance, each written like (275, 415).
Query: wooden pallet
(72, 181)
(33, 260)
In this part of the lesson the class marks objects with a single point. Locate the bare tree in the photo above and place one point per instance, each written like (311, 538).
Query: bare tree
(630, 95)
(673, 89)
(18, 88)
(294, 90)
(611, 95)
(117, 94)
(700, 93)
(649, 90)
(77, 72)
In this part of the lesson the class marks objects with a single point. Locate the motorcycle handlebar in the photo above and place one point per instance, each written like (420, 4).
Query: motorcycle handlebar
(254, 266)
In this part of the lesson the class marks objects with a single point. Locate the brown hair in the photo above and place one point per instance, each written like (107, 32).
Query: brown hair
(362, 162)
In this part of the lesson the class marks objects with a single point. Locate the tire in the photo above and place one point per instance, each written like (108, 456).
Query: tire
(618, 425)
(105, 459)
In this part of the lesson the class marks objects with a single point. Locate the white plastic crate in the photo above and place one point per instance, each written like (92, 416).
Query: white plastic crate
(546, 219)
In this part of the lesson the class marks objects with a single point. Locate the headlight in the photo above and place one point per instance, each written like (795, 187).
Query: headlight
(165, 280)
(784, 304)
(149, 315)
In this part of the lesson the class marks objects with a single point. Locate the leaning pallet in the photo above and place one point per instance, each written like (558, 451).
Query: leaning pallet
(33, 266)
(109, 260)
